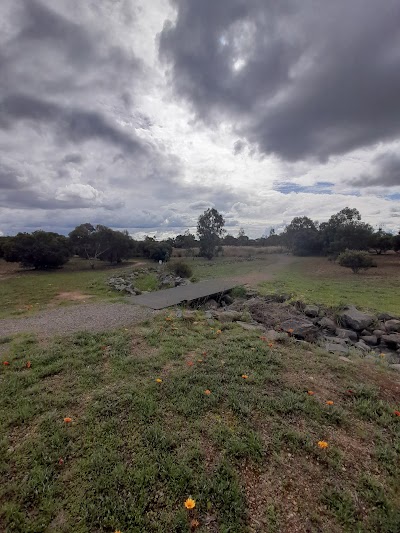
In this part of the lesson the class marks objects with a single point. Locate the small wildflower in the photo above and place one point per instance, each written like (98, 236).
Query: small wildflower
(245, 376)
(6, 363)
(168, 318)
(218, 332)
(270, 345)
(381, 355)
(322, 444)
(204, 353)
(28, 364)
(190, 503)
(190, 363)
(158, 380)
(61, 461)
(67, 420)
(350, 391)
(329, 402)
(199, 360)
(397, 413)
(310, 392)
(194, 524)
(207, 392)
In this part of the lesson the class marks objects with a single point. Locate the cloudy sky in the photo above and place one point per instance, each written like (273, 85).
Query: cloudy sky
(140, 114)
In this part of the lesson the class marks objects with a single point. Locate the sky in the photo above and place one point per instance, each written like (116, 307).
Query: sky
(141, 114)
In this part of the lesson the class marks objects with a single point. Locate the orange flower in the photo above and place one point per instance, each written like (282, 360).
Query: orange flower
(190, 363)
(218, 332)
(310, 392)
(322, 444)
(329, 402)
(158, 380)
(190, 503)
(194, 523)
(208, 392)
(67, 420)
(381, 355)
(397, 413)
(270, 345)
(245, 376)
(204, 353)
(28, 364)
(118, 531)
(6, 363)
(61, 461)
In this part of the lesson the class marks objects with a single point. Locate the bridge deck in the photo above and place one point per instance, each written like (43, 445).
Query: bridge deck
(186, 293)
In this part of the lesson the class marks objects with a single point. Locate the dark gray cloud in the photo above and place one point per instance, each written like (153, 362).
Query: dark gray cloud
(74, 159)
(298, 79)
(238, 147)
(385, 172)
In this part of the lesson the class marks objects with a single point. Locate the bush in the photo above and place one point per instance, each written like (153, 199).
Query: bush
(181, 269)
(356, 260)
(41, 250)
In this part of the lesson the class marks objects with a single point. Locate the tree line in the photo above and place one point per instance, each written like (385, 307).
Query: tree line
(303, 236)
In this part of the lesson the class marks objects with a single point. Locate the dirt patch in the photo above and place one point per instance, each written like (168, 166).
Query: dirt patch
(73, 296)
(271, 314)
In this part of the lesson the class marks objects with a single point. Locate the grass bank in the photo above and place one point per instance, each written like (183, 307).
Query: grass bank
(317, 280)
(229, 423)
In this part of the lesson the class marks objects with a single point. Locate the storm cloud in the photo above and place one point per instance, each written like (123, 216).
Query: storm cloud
(297, 79)
(385, 172)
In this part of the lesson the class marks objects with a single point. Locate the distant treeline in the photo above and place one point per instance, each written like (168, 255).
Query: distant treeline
(303, 236)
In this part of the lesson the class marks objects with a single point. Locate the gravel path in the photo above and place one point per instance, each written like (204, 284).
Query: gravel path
(81, 317)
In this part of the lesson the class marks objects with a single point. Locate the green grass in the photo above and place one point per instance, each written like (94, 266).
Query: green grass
(137, 449)
(26, 292)
(316, 280)
(220, 267)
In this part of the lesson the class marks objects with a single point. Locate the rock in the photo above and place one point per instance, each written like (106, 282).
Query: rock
(328, 323)
(371, 340)
(311, 311)
(355, 319)
(395, 367)
(137, 291)
(300, 328)
(227, 299)
(385, 316)
(346, 359)
(392, 340)
(346, 334)
(392, 326)
(365, 333)
(211, 304)
(208, 315)
(378, 333)
(336, 348)
(250, 327)
(228, 316)
(336, 340)
(360, 345)
(251, 293)
(273, 335)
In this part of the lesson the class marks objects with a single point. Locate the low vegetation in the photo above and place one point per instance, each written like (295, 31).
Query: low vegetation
(356, 260)
(116, 431)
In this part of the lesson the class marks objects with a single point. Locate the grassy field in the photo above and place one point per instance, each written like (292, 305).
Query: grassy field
(317, 280)
(229, 423)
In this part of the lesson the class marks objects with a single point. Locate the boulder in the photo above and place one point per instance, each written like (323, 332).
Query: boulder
(365, 333)
(392, 341)
(355, 319)
(228, 316)
(346, 334)
(328, 324)
(311, 311)
(336, 340)
(378, 333)
(300, 328)
(336, 348)
(211, 304)
(227, 299)
(385, 316)
(395, 367)
(371, 340)
(392, 326)
(362, 346)
(273, 335)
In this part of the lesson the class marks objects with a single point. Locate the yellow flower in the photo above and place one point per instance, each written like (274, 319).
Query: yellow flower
(329, 402)
(218, 332)
(190, 503)
(322, 444)
(158, 380)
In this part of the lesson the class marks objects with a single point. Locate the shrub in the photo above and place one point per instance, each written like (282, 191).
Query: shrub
(181, 269)
(356, 260)
(41, 250)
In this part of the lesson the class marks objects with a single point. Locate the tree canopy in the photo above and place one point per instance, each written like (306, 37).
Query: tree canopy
(210, 228)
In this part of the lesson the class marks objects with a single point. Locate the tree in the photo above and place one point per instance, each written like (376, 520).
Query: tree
(356, 260)
(301, 236)
(345, 231)
(187, 240)
(381, 242)
(210, 228)
(40, 250)
(242, 238)
(101, 243)
(396, 243)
